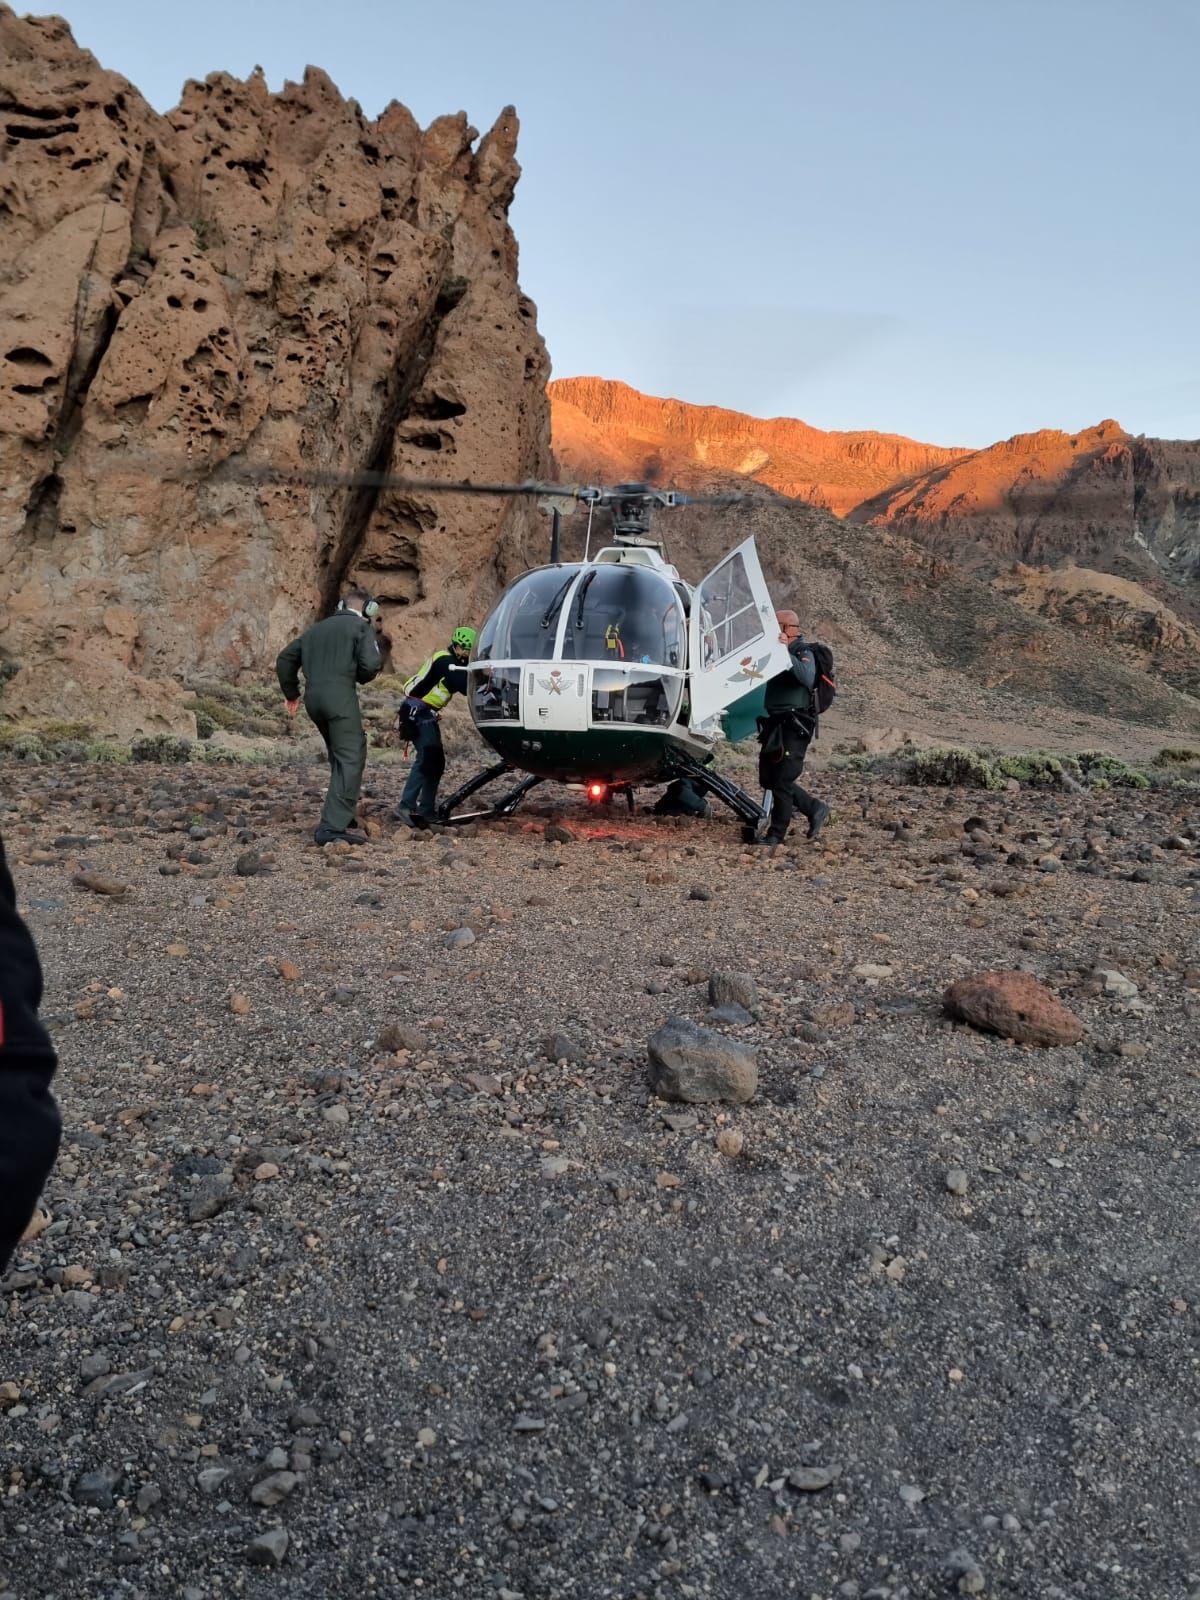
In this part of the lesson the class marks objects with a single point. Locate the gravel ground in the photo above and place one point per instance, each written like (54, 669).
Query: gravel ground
(372, 1266)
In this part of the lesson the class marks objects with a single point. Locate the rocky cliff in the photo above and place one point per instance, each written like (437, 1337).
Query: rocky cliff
(256, 277)
(1101, 498)
(607, 426)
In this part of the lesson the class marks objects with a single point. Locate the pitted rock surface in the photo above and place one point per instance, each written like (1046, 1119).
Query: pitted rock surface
(257, 278)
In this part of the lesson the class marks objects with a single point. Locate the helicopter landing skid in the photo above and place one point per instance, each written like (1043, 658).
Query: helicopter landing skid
(738, 801)
(504, 807)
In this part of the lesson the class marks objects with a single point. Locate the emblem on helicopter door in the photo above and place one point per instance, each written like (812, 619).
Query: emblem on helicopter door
(553, 684)
(749, 670)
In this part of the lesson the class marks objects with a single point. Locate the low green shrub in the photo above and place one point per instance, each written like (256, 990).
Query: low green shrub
(165, 747)
(108, 752)
(1098, 768)
(952, 767)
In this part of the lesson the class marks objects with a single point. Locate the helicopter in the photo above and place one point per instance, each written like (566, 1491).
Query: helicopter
(607, 672)
(611, 671)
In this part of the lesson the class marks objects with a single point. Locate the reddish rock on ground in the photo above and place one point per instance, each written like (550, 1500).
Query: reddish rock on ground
(1015, 1005)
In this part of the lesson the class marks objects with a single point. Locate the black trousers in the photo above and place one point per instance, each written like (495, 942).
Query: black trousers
(778, 771)
(429, 763)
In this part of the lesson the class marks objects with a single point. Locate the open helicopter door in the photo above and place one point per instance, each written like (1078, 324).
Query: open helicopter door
(733, 637)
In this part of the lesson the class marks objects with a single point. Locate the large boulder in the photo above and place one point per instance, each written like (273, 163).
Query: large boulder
(1015, 1005)
(695, 1064)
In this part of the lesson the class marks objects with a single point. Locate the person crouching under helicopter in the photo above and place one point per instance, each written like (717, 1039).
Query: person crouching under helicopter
(335, 656)
(426, 694)
(785, 734)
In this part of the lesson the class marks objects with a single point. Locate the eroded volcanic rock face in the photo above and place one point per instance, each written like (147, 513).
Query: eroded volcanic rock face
(255, 277)
(601, 425)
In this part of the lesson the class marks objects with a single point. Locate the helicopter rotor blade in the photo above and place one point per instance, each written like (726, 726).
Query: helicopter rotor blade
(561, 495)
(333, 478)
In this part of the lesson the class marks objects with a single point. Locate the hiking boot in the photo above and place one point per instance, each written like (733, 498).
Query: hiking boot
(411, 819)
(336, 836)
(818, 820)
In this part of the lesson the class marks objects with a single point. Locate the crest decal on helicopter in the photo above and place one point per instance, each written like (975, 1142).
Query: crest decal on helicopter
(749, 670)
(554, 683)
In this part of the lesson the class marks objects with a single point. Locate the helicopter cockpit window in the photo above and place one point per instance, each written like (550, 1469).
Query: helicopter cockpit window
(730, 617)
(649, 698)
(524, 623)
(627, 616)
(495, 694)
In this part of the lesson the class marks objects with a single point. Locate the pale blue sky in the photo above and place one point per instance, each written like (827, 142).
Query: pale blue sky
(953, 219)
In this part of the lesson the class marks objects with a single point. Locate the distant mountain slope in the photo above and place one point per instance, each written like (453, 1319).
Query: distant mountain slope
(598, 423)
(924, 640)
(1100, 498)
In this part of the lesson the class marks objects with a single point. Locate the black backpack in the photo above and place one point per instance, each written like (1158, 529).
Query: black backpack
(826, 684)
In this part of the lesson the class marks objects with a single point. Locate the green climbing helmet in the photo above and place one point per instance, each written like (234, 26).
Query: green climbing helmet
(464, 637)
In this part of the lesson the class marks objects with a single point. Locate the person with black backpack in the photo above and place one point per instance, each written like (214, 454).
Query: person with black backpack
(793, 704)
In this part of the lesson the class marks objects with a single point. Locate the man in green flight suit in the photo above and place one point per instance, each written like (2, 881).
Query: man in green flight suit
(439, 676)
(335, 655)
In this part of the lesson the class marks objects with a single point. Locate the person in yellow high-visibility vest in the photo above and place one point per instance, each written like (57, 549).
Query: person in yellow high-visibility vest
(426, 694)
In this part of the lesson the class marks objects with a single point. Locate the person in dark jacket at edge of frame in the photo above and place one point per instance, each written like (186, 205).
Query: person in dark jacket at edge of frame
(30, 1124)
(786, 732)
(335, 656)
(439, 677)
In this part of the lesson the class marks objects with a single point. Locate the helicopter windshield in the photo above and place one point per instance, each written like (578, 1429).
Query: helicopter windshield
(524, 623)
(628, 616)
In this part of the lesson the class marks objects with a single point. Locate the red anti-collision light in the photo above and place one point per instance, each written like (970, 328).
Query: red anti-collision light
(596, 791)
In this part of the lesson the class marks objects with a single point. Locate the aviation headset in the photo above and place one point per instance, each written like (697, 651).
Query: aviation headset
(370, 608)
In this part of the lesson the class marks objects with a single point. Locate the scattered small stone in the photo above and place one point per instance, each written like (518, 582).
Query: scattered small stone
(268, 1549)
(555, 833)
(956, 1181)
(96, 1488)
(96, 883)
(911, 1494)
(273, 1490)
(694, 1064)
(562, 1047)
(459, 939)
(37, 1225)
(733, 989)
(730, 1142)
(239, 1004)
(700, 891)
(810, 1480)
(872, 971)
(1117, 984)
(210, 1198)
(733, 1016)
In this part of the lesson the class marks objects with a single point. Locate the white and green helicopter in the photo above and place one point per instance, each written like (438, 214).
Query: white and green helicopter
(611, 672)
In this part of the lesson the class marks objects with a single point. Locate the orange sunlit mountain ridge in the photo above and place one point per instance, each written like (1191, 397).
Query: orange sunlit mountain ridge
(1101, 497)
